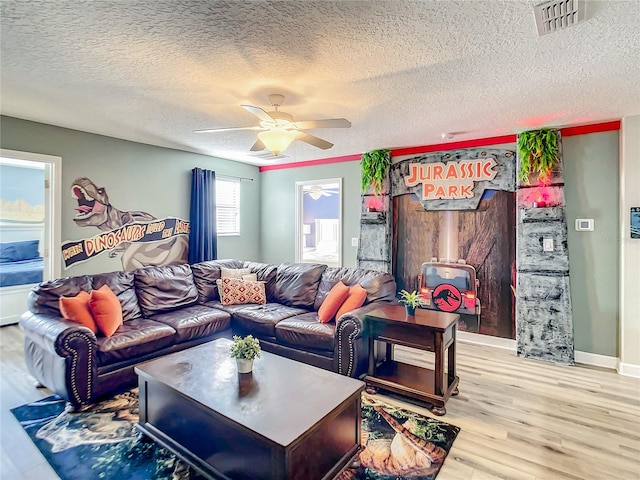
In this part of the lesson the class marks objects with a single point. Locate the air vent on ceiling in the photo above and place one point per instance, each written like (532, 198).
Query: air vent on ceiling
(269, 156)
(558, 14)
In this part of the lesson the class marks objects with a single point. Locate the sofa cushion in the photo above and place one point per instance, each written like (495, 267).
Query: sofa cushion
(44, 298)
(305, 331)
(122, 284)
(230, 309)
(262, 319)
(133, 339)
(266, 273)
(166, 288)
(234, 291)
(380, 286)
(195, 321)
(205, 275)
(297, 284)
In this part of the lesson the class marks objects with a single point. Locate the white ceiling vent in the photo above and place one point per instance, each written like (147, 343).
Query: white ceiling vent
(558, 14)
(269, 156)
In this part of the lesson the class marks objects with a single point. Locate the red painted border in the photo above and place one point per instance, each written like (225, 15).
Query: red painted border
(593, 128)
(310, 163)
(479, 142)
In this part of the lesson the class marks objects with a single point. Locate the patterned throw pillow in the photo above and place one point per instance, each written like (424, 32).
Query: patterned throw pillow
(234, 291)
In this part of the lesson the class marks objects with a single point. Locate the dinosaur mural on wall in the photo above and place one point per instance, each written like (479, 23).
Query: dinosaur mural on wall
(141, 239)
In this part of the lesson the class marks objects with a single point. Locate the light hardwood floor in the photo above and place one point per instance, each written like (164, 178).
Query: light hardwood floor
(520, 419)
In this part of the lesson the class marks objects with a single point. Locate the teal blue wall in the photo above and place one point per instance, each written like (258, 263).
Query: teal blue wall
(156, 180)
(591, 175)
(279, 204)
(591, 191)
(137, 177)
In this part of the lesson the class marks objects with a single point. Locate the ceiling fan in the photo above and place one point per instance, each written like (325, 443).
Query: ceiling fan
(278, 129)
(317, 191)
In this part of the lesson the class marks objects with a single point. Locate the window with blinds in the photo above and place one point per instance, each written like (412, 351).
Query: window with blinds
(228, 206)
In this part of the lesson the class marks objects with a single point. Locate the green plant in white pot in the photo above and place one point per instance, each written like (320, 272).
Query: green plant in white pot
(245, 350)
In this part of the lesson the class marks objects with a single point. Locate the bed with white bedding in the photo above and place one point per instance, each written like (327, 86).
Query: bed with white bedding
(21, 267)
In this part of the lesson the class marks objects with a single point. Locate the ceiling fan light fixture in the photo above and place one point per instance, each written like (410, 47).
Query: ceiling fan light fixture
(277, 139)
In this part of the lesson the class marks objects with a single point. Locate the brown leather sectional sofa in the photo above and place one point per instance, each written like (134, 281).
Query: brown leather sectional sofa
(170, 308)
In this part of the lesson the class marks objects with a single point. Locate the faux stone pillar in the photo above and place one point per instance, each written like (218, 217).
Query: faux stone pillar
(544, 325)
(374, 247)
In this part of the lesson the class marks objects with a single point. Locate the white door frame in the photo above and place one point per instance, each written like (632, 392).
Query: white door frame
(299, 202)
(53, 208)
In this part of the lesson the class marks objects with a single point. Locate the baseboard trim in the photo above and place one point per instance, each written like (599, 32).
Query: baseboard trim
(629, 370)
(488, 340)
(585, 358)
(596, 360)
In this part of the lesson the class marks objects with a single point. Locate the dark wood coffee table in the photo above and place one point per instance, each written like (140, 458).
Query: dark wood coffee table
(429, 330)
(286, 420)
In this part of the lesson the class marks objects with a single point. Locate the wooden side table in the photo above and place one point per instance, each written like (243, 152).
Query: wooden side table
(428, 330)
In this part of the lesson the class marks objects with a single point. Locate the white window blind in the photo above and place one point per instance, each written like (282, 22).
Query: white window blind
(228, 206)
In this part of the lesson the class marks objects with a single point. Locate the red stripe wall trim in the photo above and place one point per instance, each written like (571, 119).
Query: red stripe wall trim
(479, 142)
(594, 128)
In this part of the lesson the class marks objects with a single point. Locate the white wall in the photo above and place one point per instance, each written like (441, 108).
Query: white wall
(630, 248)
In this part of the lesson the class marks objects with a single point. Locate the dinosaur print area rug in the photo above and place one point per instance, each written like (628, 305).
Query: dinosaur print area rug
(102, 443)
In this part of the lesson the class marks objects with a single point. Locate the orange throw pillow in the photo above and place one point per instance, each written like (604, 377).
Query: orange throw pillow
(336, 297)
(357, 297)
(77, 310)
(106, 310)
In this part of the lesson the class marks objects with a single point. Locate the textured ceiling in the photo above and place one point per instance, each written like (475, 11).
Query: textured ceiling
(403, 72)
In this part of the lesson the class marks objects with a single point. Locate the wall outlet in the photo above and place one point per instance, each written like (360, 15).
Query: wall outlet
(547, 244)
(354, 242)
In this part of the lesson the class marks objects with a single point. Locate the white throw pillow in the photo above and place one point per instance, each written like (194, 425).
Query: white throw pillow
(234, 272)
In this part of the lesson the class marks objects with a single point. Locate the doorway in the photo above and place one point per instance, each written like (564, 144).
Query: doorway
(319, 222)
(29, 227)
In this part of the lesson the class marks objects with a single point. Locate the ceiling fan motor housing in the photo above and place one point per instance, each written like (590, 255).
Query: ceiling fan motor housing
(275, 99)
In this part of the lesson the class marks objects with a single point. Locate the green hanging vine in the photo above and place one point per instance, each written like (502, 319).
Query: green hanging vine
(538, 151)
(375, 165)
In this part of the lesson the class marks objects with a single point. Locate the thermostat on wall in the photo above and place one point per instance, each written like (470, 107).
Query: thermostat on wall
(584, 224)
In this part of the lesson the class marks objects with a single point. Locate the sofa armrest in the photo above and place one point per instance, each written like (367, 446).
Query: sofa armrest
(54, 333)
(351, 353)
(61, 355)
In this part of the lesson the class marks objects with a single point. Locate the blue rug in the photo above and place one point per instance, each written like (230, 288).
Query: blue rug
(102, 443)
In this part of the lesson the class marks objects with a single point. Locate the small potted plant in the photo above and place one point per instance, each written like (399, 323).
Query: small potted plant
(245, 350)
(411, 300)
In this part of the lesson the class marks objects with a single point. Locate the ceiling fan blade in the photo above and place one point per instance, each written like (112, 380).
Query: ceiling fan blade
(211, 130)
(329, 123)
(258, 112)
(258, 146)
(315, 141)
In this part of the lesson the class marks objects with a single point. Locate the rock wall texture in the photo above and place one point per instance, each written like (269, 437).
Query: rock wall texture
(544, 324)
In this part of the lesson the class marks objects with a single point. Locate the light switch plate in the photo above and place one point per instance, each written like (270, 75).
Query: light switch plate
(547, 244)
(354, 242)
(584, 224)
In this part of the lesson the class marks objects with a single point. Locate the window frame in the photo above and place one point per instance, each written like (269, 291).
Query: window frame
(231, 206)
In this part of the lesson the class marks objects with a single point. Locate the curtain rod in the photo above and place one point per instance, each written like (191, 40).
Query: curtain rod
(247, 179)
